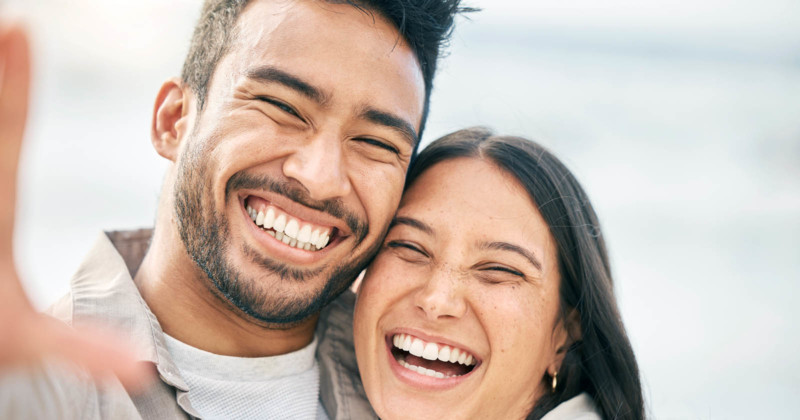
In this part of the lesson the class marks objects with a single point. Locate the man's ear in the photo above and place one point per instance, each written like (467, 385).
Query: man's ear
(567, 332)
(170, 122)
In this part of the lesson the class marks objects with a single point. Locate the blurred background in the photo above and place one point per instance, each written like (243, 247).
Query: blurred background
(681, 118)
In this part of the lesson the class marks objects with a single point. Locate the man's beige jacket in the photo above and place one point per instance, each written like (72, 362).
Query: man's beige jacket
(103, 289)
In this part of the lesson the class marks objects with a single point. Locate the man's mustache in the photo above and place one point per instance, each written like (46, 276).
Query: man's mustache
(334, 207)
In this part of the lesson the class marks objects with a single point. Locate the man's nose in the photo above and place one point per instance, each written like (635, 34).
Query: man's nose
(441, 296)
(319, 164)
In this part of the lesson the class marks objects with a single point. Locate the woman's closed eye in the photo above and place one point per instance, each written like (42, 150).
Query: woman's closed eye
(408, 251)
(499, 273)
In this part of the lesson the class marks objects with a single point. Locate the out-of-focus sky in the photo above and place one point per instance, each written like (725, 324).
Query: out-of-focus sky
(680, 117)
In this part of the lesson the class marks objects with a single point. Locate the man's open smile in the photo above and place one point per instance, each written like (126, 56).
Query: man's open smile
(286, 228)
(291, 231)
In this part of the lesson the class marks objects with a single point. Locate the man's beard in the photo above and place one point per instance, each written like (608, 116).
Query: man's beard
(205, 234)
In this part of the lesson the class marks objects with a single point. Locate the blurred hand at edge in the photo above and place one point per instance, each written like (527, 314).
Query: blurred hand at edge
(26, 336)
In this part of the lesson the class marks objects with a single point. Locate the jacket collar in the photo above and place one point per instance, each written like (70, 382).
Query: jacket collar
(103, 288)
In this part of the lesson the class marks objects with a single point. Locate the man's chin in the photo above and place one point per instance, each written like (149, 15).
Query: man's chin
(279, 271)
(285, 297)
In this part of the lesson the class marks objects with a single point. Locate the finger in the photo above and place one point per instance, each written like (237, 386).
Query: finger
(100, 353)
(14, 90)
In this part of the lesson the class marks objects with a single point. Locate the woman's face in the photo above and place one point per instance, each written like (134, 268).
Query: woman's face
(467, 274)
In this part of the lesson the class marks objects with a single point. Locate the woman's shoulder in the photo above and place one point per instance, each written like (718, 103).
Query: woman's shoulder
(579, 407)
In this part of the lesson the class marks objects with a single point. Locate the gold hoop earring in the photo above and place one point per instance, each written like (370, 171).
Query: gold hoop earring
(555, 381)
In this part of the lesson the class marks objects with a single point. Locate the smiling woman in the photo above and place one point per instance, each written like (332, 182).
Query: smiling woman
(492, 295)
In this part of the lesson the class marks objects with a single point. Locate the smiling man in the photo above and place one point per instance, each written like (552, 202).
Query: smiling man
(289, 135)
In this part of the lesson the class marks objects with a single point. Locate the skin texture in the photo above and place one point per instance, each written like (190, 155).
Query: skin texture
(448, 286)
(339, 167)
(27, 337)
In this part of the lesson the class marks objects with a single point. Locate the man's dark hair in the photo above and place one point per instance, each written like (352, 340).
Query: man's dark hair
(426, 25)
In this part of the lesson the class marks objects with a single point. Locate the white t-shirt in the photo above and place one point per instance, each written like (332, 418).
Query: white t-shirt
(226, 387)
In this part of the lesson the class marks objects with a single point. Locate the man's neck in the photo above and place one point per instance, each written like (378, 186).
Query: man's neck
(190, 310)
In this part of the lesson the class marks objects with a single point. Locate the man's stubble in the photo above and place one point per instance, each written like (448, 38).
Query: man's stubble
(205, 234)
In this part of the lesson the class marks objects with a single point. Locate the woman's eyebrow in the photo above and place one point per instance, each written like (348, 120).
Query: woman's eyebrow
(505, 246)
(414, 223)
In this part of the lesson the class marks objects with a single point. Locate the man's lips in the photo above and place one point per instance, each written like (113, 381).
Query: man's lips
(287, 228)
(295, 201)
(274, 249)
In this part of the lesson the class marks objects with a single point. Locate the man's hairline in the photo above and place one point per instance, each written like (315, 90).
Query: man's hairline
(233, 36)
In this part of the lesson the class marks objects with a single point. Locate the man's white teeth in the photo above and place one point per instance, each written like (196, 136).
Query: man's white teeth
(292, 227)
(305, 234)
(280, 223)
(432, 351)
(289, 231)
(269, 219)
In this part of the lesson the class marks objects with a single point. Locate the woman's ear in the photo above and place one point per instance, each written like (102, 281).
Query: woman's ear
(170, 122)
(357, 283)
(567, 332)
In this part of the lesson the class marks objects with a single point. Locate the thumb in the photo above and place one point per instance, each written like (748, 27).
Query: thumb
(14, 89)
(99, 351)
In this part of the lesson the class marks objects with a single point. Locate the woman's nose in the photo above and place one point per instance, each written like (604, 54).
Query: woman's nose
(441, 296)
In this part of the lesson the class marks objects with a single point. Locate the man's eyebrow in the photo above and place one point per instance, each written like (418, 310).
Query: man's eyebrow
(505, 246)
(387, 119)
(414, 223)
(272, 74)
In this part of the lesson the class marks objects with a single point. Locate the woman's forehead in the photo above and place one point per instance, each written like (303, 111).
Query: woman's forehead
(479, 203)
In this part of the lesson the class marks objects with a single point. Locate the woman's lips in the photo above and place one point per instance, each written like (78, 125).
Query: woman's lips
(428, 363)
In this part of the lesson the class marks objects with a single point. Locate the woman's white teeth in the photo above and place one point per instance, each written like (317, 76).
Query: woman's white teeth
(432, 351)
(406, 342)
(289, 231)
(444, 354)
(417, 347)
(424, 371)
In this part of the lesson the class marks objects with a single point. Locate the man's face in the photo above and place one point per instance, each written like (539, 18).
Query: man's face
(295, 166)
